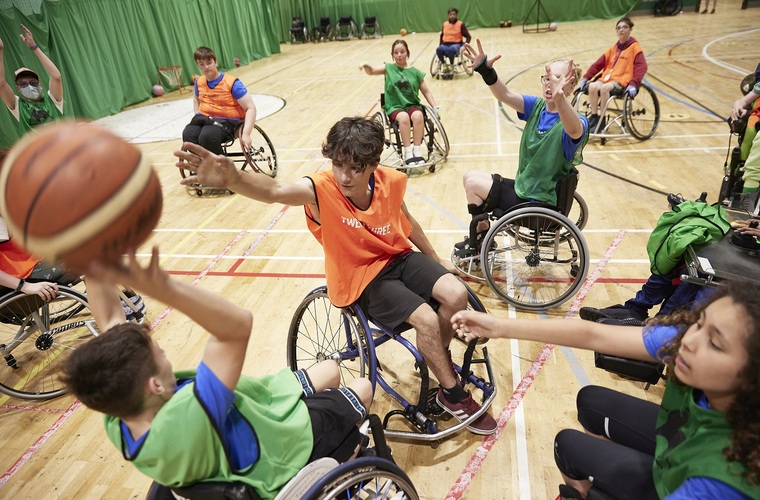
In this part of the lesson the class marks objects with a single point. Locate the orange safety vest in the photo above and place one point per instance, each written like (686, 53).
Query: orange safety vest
(358, 244)
(16, 261)
(618, 65)
(452, 33)
(219, 102)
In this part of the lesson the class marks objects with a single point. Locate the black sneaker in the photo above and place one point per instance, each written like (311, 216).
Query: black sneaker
(593, 121)
(568, 493)
(618, 311)
(675, 199)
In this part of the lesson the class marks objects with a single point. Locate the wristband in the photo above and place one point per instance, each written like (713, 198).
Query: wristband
(489, 74)
(34, 47)
(20, 284)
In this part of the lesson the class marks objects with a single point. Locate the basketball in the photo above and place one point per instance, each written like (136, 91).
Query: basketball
(403, 31)
(158, 90)
(237, 62)
(552, 26)
(74, 193)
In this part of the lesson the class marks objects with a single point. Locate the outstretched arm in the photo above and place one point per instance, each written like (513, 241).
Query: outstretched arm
(6, 92)
(219, 171)
(55, 85)
(484, 66)
(229, 325)
(372, 70)
(625, 341)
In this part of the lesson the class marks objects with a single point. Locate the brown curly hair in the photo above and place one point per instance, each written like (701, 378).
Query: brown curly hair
(744, 413)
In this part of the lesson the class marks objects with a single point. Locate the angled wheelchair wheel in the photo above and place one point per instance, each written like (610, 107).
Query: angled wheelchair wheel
(579, 211)
(642, 113)
(392, 154)
(534, 258)
(36, 338)
(261, 157)
(464, 63)
(435, 67)
(320, 331)
(435, 135)
(364, 478)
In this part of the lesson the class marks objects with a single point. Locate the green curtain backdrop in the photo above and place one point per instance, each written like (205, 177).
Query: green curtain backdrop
(109, 50)
(428, 15)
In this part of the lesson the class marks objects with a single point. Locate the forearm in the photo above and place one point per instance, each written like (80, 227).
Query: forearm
(571, 122)
(421, 241)
(8, 281)
(49, 66)
(249, 121)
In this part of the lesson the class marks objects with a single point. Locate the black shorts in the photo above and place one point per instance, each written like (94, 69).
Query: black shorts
(335, 416)
(502, 194)
(400, 288)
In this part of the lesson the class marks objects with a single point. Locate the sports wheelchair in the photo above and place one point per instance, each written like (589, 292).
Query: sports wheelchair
(370, 28)
(323, 32)
(623, 115)
(298, 31)
(435, 144)
(260, 158)
(36, 338)
(359, 478)
(346, 29)
(533, 257)
(461, 65)
(320, 331)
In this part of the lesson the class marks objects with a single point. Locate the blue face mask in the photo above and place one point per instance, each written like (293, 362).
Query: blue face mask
(31, 93)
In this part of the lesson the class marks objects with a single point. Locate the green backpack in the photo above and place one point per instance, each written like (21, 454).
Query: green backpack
(689, 223)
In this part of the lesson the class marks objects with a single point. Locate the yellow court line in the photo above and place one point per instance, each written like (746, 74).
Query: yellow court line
(235, 197)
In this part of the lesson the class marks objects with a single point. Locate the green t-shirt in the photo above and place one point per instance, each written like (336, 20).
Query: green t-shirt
(690, 443)
(542, 160)
(402, 87)
(183, 445)
(35, 113)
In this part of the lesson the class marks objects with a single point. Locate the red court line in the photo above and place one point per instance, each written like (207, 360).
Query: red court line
(31, 408)
(476, 461)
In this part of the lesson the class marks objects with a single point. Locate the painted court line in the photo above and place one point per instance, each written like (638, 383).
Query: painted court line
(476, 461)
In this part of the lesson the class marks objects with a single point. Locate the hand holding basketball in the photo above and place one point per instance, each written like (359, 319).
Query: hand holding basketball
(76, 193)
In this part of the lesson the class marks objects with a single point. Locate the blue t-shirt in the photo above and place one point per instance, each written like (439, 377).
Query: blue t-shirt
(655, 337)
(218, 401)
(547, 121)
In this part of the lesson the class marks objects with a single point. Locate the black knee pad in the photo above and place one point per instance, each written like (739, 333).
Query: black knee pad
(494, 195)
(474, 209)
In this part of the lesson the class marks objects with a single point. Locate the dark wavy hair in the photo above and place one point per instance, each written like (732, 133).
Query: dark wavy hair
(744, 413)
(356, 142)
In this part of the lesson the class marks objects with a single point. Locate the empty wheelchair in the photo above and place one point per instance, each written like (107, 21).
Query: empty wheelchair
(261, 157)
(36, 338)
(298, 31)
(360, 478)
(435, 145)
(461, 65)
(533, 257)
(324, 32)
(320, 331)
(346, 29)
(370, 28)
(623, 115)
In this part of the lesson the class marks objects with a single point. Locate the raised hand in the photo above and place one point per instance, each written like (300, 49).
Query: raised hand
(558, 85)
(207, 168)
(27, 37)
(476, 57)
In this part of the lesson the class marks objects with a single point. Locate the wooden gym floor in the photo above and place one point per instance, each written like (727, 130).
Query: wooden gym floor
(262, 257)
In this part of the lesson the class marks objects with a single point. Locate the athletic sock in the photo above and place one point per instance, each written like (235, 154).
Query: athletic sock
(454, 394)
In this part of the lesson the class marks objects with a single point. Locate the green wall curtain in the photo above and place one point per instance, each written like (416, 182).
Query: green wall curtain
(109, 51)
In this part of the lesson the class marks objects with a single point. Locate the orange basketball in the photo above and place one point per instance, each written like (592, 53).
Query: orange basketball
(403, 31)
(75, 193)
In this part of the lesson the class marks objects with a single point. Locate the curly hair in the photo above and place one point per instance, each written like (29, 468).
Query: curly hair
(356, 142)
(744, 413)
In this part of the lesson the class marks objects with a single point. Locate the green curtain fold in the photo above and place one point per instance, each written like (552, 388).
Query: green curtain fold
(109, 51)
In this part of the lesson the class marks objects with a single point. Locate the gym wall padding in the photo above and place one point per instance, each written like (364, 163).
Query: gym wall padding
(424, 16)
(109, 51)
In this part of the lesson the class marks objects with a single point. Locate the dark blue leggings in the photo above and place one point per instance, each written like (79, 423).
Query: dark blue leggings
(621, 466)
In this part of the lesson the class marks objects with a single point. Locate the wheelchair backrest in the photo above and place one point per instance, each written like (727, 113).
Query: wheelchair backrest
(565, 191)
(345, 20)
(324, 22)
(297, 22)
(369, 21)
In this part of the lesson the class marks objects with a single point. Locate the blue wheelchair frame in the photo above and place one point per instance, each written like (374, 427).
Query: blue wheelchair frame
(362, 337)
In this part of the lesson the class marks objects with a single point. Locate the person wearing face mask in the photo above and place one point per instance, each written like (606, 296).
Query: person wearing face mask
(34, 106)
